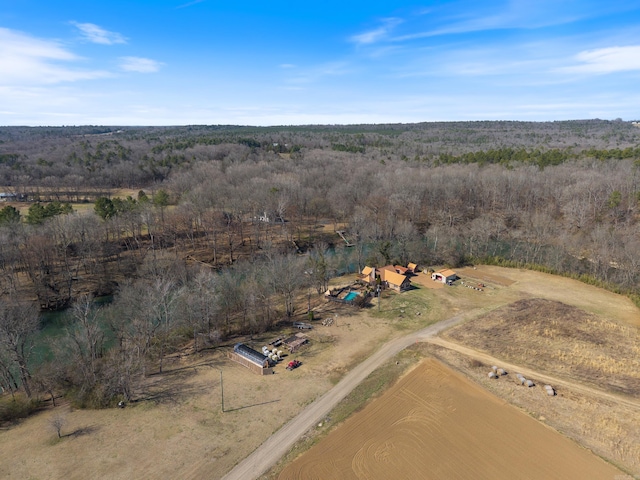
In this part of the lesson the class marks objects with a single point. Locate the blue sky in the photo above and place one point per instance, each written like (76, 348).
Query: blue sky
(177, 62)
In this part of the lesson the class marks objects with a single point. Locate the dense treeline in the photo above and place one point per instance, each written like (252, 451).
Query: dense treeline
(541, 158)
(229, 227)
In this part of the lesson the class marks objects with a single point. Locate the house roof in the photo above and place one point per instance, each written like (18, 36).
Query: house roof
(394, 278)
(401, 269)
(367, 271)
(412, 266)
(446, 272)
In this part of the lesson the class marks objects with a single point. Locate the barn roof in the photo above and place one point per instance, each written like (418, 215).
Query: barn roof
(412, 266)
(367, 271)
(250, 354)
(447, 273)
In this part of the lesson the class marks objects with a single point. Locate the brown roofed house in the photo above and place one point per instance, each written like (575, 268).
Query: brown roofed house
(401, 270)
(395, 280)
(368, 275)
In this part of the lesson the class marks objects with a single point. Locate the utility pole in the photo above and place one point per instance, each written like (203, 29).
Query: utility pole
(221, 392)
(379, 295)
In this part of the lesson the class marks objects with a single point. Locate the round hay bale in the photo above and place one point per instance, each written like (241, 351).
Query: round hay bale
(494, 368)
(529, 383)
(493, 375)
(501, 371)
(522, 380)
(519, 375)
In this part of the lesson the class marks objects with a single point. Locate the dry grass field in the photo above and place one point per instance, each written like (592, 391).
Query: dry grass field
(559, 339)
(81, 207)
(176, 428)
(567, 342)
(436, 424)
(608, 428)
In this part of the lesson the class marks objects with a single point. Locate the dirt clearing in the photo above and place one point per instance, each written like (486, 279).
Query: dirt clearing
(561, 340)
(436, 424)
(531, 284)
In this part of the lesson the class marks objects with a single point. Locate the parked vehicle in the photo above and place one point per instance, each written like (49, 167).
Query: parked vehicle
(293, 364)
(302, 325)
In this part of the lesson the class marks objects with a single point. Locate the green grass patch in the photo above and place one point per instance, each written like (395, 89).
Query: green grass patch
(408, 311)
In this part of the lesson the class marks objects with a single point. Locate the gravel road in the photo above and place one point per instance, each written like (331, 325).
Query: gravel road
(276, 446)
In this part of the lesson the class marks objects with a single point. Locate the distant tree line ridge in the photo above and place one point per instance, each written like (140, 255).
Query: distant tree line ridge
(133, 157)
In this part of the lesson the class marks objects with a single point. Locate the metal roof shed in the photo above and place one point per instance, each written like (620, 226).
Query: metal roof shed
(250, 354)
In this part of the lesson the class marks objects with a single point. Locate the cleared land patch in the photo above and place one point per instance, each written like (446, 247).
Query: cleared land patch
(436, 424)
(604, 424)
(561, 340)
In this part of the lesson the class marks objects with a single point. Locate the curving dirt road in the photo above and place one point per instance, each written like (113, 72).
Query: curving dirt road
(539, 377)
(267, 454)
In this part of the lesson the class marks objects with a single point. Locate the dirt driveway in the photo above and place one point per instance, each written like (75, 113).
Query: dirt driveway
(280, 442)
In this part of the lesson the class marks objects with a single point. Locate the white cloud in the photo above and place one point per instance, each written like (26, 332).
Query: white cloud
(606, 60)
(287, 65)
(29, 60)
(377, 34)
(139, 64)
(95, 34)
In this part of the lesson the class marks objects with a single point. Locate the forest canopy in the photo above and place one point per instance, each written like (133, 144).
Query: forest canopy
(207, 231)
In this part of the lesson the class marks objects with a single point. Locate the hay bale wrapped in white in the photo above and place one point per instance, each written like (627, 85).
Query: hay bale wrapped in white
(494, 368)
(279, 353)
(522, 380)
(550, 390)
(493, 375)
(529, 383)
(519, 376)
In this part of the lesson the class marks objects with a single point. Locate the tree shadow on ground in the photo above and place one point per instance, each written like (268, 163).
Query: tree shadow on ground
(79, 432)
(173, 386)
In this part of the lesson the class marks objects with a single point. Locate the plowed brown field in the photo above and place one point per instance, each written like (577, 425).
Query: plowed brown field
(436, 424)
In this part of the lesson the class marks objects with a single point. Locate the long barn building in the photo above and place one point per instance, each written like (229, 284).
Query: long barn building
(253, 360)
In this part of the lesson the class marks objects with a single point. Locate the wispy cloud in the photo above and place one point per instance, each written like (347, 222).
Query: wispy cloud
(375, 35)
(139, 64)
(287, 65)
(606, 60)
(28, 60)
(462, 16)
(189, 4)
(95, 34)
